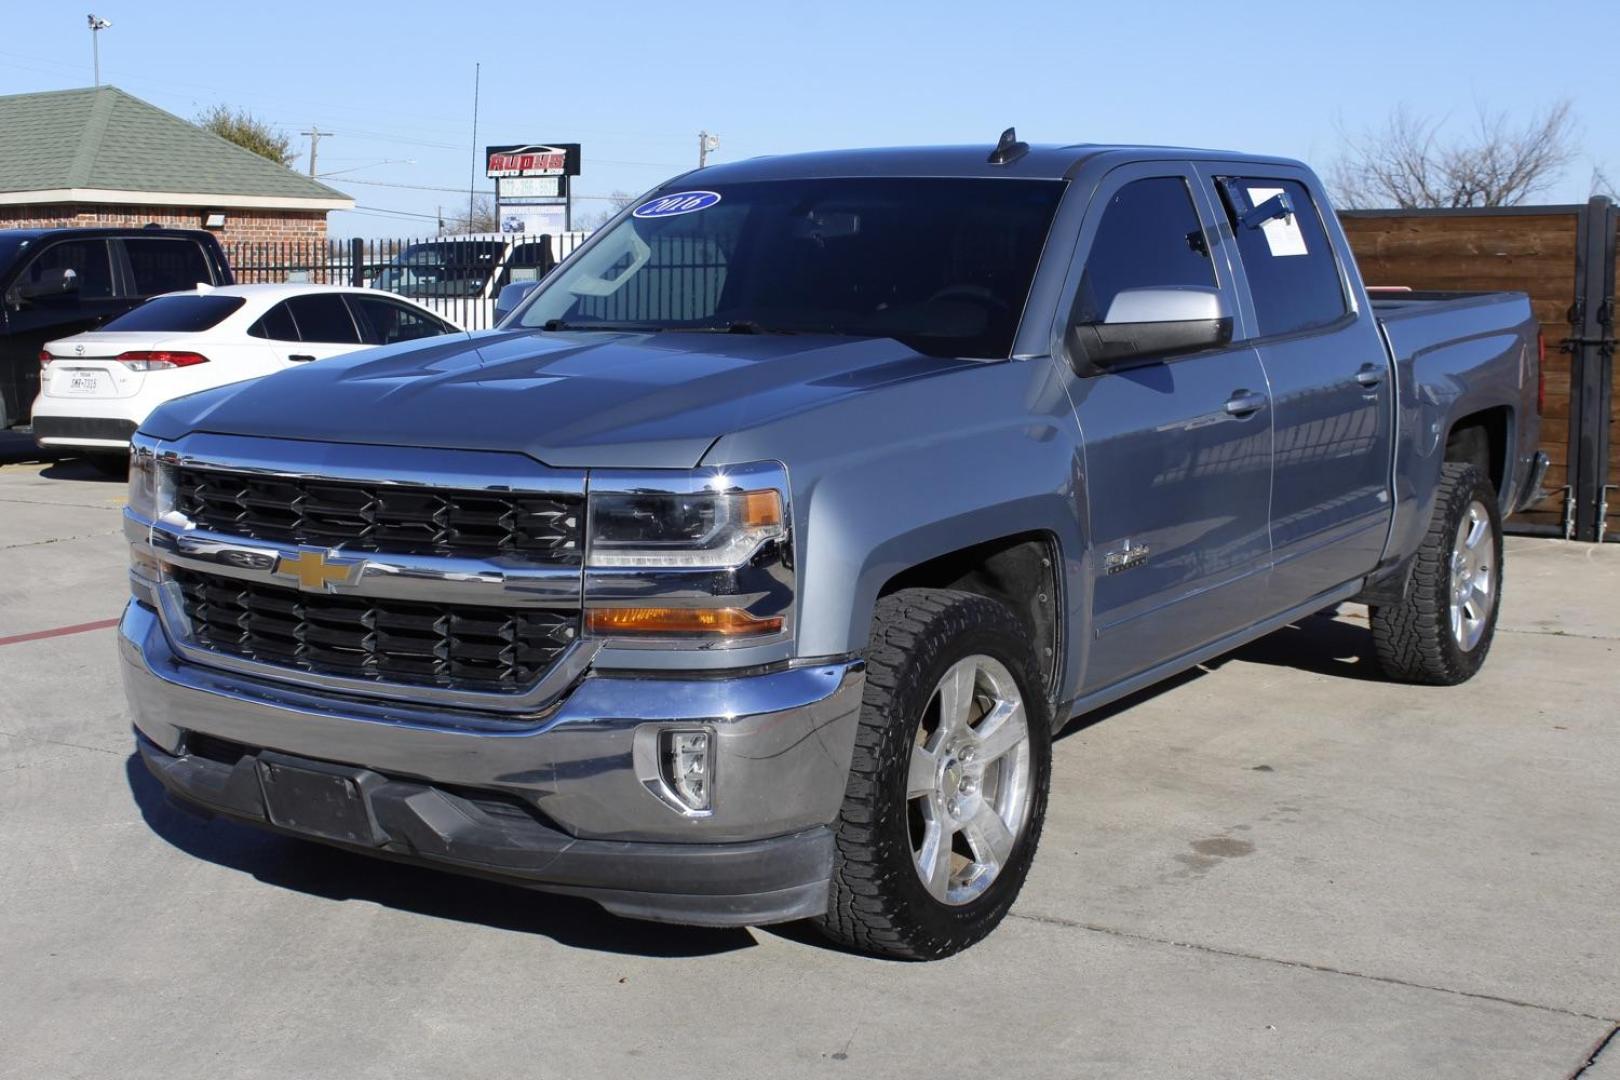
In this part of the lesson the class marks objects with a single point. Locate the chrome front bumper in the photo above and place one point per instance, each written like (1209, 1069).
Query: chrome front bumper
(783, 740)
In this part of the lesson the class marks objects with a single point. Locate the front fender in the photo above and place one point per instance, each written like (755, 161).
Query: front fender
(893, 478)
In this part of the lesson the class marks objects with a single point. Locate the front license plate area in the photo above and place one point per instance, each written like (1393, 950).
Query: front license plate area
(329, 805)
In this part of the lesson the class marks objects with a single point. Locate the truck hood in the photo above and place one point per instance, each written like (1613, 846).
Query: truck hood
(568, 400)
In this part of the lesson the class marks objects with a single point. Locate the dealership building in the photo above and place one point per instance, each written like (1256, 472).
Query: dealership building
(102, 157)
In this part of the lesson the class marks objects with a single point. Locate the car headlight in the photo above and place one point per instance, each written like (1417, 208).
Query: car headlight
(705, 553)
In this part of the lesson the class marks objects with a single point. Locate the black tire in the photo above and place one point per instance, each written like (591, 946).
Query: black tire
(114, 465)
(878, 902)
(1414, 639)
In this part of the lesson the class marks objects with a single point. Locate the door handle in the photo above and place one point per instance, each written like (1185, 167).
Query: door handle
(1370, 375)
(1244, 403)
(300, 358)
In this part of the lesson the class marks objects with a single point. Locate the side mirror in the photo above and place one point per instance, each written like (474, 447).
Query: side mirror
(57, 282)
(1147, 324)
(511, 296)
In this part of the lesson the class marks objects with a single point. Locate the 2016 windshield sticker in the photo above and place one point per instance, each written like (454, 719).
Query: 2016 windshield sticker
(681, 202)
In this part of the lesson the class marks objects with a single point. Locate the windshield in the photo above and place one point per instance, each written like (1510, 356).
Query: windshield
(178, 314)
(943, 265)
(441, 268)
(9, 246)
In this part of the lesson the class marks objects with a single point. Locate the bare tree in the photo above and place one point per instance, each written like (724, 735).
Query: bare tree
(481, 220)
(1411, 163)
(616, 202)
(1601, 184)
(247, 131)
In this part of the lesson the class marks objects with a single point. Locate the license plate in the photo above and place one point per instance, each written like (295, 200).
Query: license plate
(84, 383)
(324, 804)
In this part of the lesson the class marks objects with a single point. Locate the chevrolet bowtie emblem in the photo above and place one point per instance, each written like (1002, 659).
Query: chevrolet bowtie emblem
(315, 571)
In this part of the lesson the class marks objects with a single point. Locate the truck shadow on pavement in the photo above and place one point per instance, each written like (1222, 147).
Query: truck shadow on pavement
(333, 874)
(1321, 644)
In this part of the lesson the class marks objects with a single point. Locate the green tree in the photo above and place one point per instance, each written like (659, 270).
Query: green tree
(248, 132)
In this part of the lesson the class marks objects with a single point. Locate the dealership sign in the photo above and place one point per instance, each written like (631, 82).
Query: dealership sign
(533, 159)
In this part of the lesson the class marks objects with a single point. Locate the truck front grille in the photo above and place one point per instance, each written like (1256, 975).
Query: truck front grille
(382, 517)
(452, 646)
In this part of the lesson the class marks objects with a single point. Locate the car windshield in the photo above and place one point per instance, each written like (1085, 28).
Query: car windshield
(941, 264)
(9, 246)
(178, 314)
(441, 268)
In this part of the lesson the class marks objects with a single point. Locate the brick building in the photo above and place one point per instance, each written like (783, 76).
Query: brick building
(102, 157)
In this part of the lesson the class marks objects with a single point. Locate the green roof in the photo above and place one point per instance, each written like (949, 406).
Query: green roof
(104, 140)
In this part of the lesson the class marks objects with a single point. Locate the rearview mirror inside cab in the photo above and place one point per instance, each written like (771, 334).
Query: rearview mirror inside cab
(1152, 323)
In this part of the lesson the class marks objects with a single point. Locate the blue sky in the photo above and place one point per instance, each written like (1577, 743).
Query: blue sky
(634, 82)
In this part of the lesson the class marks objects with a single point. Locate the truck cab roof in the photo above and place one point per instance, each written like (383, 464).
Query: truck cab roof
(1038, 162)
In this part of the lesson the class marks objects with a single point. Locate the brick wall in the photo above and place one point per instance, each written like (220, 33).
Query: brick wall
(241, 226)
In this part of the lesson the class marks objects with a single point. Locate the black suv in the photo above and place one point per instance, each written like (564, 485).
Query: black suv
(57, 282)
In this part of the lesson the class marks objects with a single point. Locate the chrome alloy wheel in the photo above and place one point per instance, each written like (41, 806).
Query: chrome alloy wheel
(968, 785)
(1473, 576)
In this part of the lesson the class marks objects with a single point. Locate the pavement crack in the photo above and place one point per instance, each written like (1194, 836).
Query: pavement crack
(58, 540)
(1591, 1059)
(117, 504)
(1557, 633)
(60, 742)
(1323, 969)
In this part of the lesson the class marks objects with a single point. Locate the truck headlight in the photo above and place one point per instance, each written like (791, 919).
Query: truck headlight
(709, 528)
(704, 553)
(149, 494)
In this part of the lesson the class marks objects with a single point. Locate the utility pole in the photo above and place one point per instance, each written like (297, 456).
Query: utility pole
(706, 145)
(472, 178)
(315, 134)
(96, 27)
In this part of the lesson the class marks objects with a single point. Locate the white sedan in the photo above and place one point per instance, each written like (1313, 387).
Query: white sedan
(97, 387)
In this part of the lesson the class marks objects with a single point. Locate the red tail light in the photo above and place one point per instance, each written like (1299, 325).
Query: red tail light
(159, 361)
(1541, 373)
(45, 358)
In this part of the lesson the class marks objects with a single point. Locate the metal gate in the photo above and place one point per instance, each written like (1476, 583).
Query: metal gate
(1564, 258)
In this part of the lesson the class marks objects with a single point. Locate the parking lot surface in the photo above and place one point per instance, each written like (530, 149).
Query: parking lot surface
(1277, 866)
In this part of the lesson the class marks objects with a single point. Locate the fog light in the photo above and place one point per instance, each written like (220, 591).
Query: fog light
(688, 762)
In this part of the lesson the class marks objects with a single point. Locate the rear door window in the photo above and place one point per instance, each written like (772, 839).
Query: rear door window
(1293, 275)
(1149, 237)
(179, 314)
(161, 264)
(88, 259)
(276, 325)
(322, 318)
(384, 321)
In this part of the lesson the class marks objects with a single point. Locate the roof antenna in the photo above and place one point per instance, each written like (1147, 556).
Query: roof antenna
(1008, 148)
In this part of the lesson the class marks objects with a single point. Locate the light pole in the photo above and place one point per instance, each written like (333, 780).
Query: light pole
(707, 144)
(96, 27)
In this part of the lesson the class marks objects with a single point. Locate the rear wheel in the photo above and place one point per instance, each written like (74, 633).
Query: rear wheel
(1441, 633)
(947, 791)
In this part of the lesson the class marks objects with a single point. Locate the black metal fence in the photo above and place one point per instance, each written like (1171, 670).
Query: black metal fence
(459, 277)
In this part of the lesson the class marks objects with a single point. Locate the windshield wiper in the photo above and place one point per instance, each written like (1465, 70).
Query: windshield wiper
(558, 324)
(736, 326)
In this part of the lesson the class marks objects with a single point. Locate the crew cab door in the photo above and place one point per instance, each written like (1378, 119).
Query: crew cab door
(1177, 435)
(1331, 387)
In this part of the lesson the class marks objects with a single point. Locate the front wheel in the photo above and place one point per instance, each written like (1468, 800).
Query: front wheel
(947, 790)
(1442, 631)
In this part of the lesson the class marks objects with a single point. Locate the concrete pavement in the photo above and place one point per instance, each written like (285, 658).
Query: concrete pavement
(1280, 866)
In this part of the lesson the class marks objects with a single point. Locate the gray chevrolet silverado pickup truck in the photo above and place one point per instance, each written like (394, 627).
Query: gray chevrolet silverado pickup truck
(744, 573)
